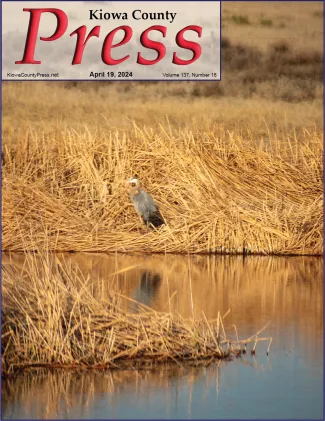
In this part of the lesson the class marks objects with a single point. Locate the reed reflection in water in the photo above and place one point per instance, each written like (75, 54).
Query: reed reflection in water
(286, 290)
(164, 393)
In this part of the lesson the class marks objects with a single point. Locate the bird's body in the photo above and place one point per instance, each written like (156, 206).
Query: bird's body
(144, 204)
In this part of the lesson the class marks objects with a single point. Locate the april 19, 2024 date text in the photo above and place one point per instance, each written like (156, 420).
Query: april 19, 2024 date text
(97, 75)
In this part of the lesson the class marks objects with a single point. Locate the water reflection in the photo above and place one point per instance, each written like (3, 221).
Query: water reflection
(286, 290)
(147, 289)
(66, 394)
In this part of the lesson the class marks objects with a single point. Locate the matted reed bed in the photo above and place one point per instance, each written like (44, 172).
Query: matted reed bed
(219, 190)
(50, 318)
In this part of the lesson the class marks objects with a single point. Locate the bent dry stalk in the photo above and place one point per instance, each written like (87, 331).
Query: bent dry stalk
(50, 318)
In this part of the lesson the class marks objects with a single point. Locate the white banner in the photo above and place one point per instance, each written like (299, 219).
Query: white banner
(111, 40)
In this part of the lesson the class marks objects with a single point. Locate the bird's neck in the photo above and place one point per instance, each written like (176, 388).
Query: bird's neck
(134, 191)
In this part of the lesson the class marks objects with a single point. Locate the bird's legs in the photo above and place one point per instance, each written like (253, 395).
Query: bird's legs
(141, 222)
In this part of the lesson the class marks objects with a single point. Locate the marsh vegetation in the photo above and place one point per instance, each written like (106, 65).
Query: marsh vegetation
(51, 318)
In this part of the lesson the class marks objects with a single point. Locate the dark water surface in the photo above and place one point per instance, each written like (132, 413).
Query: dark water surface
(286, 385)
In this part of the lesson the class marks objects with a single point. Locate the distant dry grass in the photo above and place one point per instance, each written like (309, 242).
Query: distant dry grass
(51, 319)
(299, 22)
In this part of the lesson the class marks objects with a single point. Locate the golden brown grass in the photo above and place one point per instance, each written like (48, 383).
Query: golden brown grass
(220, 189)
(50, 318)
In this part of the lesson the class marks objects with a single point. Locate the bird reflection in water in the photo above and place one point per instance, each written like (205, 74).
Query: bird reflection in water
(147, 289)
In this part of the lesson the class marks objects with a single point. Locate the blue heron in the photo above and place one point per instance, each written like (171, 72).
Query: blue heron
(144, 205)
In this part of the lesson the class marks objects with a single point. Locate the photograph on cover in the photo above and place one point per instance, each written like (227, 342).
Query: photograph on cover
(162, 239)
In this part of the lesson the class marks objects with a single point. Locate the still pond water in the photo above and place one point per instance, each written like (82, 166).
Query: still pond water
(287, 384)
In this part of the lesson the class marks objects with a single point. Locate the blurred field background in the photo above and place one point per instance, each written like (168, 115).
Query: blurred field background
(235, 166)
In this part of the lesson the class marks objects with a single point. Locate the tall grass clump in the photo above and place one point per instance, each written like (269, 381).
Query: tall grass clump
(219, 190)
(50, 318)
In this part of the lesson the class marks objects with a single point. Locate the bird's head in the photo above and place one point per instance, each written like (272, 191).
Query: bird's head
(133, 183)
